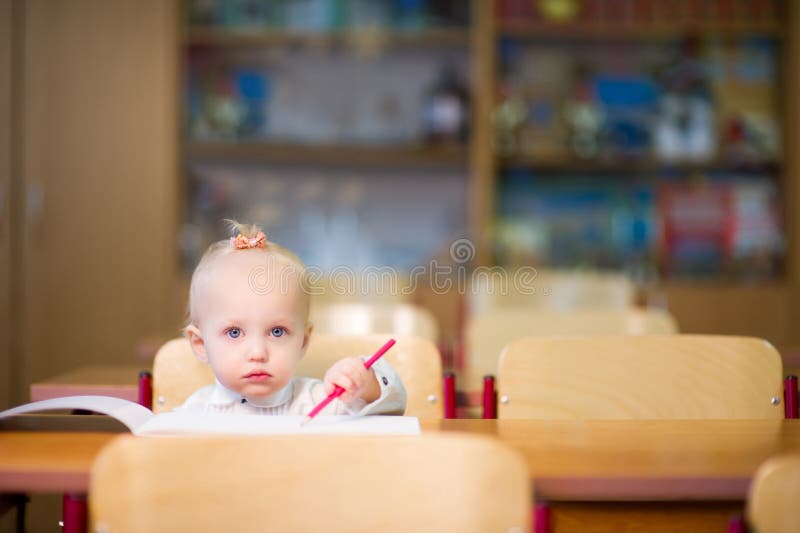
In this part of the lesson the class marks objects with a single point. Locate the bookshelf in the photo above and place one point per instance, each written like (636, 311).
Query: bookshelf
(726, 302)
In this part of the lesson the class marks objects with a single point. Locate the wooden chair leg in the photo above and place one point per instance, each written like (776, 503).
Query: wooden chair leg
(146, 389)
(489, 398)
(73, 512)
(790, 396)
(449, 394)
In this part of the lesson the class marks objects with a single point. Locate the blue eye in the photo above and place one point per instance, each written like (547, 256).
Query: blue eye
(277, 332)
(233, 333)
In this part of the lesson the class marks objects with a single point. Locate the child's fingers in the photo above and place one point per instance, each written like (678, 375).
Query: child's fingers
(341, 379)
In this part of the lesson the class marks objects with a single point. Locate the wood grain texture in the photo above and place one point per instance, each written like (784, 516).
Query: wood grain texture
(120, 381)
(640, 377)
(177, 374)
(358, 318)
(642, 517)
(757, 309)
(773, 496)
(638, 460)
(482, 162)
(489, 332)
(6, 384)
(543, 288)
(100, 161)
(48, 462)
(308, 484)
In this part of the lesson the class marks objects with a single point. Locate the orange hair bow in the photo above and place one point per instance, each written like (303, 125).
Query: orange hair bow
(240, 242)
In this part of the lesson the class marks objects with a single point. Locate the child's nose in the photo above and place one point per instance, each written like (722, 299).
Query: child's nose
(258, 351)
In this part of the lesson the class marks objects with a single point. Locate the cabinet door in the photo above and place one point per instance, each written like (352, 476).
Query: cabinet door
(99, 170)
(6, 383)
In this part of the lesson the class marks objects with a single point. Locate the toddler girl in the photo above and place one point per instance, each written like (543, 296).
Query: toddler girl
(248, 311)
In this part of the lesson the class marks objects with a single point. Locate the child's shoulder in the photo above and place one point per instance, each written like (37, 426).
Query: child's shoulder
(200, 397)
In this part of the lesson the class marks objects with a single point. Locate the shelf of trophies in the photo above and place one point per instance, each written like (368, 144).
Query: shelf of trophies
(359, 39)
(358, 155)
(327, 82)
(637, 19)
(664, 159)
(637, 166)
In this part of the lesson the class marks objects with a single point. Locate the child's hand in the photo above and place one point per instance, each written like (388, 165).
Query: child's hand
(356, 380)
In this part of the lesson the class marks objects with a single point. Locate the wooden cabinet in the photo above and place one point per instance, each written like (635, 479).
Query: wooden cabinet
(97, 159)
(6, 382)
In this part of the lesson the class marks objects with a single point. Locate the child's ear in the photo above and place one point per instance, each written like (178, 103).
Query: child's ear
(307, 336)
(197, 343)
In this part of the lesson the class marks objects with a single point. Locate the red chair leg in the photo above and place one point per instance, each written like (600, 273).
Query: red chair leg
(146, 389)
(449, 393)
(489, 398)
(73, 513)
(790, 396)
(541, 518)
(737, 525)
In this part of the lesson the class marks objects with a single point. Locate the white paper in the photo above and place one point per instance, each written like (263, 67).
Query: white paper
(198, 422)
(142, 421)
(129, 413)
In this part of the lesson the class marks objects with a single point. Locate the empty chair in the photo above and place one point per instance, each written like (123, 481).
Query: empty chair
(563, 290)
(640, 377)
(489, 332)
(177, 373)
(336, 483)
(773, 496)
(357, 318)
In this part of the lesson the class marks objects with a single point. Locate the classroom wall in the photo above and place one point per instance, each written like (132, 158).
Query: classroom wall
(99, 168)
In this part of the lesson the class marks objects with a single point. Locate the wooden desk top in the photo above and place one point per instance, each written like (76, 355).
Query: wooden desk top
(568, 460)
(120, 381)
(640, 460)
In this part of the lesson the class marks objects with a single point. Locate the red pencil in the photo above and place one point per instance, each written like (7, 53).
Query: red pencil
(338, 390)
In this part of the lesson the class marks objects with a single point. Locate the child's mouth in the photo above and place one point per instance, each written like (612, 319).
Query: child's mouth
(258, 376)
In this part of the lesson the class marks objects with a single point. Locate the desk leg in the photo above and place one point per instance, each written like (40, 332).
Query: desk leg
(541, 518)
(73, 512)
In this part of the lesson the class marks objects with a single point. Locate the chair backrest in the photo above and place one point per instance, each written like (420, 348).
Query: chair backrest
(540, 288)
(773, 495)
(433, 482)
(177, 373)
(358, 318)
(489, 332)
(640, 377)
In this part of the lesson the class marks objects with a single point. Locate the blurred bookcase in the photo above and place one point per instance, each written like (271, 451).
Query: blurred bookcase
(654, 137)
(648, 136)
(340, 125)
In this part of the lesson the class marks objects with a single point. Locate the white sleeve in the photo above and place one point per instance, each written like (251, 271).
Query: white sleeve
(392, 400)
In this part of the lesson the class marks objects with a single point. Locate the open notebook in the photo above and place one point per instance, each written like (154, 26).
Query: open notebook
(142, 421)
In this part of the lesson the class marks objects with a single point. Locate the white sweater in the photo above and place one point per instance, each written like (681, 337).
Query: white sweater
(301, 395)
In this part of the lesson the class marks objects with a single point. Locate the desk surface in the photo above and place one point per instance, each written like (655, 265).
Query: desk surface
(120, 381)
(568, 460)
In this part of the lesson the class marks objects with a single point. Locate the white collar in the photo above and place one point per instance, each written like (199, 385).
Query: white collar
(223, 396)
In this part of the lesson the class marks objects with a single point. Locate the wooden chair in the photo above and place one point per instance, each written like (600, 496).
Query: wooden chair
(773, 496)
(539, 288)
(641, 377)
(177, 373)
(487, 333)
(358, 318)
(336, 483)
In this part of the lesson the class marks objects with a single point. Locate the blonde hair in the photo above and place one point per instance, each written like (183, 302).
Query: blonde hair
(225, 247)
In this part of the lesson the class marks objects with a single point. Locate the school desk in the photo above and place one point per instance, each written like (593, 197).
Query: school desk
(120, 381)
(597, 475)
